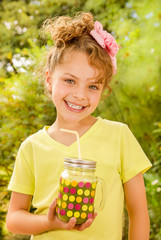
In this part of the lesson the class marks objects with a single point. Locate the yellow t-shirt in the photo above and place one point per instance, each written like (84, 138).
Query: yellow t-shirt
(119, 157)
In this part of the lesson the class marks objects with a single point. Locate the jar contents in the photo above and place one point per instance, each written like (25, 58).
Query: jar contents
(75, 199)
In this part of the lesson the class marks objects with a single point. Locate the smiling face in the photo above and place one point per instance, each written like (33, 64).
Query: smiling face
(75, 92)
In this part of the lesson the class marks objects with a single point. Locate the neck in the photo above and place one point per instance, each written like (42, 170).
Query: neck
(67, 138)
(80, 127)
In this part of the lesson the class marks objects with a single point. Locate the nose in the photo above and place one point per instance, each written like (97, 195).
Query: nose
(80, 93)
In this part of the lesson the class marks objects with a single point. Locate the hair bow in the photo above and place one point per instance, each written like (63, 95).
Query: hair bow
(106, 41)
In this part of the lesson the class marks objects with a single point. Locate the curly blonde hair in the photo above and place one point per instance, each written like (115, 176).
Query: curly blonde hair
(73, 34)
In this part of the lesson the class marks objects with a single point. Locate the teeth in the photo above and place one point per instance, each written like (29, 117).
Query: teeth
(74, 106)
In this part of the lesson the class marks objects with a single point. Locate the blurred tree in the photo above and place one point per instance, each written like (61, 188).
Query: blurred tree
(136, 95)
(20, 22)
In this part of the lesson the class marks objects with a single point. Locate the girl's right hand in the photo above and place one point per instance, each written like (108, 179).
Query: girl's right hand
(56, 223)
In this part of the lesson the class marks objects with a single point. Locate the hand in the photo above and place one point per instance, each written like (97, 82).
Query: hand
(56, 223)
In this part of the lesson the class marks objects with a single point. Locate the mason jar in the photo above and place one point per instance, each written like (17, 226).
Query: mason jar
(77, 190)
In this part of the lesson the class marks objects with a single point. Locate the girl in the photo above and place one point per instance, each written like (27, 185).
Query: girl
(79, 66)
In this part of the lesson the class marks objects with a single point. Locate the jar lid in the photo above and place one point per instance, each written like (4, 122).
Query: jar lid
(79, 163)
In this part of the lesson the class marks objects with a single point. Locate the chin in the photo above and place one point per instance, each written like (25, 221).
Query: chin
(72, 119)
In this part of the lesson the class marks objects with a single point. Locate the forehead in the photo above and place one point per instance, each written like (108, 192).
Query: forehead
(78, 64)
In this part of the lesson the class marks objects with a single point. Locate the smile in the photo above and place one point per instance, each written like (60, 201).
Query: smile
(73, 106)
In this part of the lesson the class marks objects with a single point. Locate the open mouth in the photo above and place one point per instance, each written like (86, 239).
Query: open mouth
(73, 106)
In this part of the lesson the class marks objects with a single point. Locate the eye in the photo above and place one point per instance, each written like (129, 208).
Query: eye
(93, 87)
(70, 81)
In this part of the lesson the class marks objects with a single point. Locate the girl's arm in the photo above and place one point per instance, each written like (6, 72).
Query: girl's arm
(136, 203)
(21, 221)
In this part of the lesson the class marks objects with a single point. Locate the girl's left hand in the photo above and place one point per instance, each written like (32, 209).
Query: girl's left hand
(86, 224)
(58, 224)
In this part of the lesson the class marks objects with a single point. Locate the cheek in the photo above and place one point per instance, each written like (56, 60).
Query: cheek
(94, 102)
(58, 92)
(95, 99)
(55, 95)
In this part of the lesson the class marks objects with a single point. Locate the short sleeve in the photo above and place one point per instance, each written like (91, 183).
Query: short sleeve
(133, 158)
(22, 179)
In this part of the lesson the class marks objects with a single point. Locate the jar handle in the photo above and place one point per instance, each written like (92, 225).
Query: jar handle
(101, 204)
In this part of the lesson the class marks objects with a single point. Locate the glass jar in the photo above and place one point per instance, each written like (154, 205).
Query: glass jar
(77, 190)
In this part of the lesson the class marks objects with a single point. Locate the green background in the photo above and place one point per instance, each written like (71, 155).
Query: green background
(136, 88)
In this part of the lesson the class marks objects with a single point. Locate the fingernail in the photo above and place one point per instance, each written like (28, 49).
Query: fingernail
(73, 219)
(90, 221)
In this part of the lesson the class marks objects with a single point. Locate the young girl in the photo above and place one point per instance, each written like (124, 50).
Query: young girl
(79, 67)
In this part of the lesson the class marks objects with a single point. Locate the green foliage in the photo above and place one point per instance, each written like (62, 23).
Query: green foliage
(136, 94)
(153, 183)
(24, 110)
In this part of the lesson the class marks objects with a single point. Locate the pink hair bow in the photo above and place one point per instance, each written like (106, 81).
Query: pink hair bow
(106, 41)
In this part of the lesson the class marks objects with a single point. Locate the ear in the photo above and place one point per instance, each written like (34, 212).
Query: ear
(48, 80)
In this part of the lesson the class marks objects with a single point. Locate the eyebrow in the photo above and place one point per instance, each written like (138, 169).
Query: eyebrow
(71, 75)
(78, 78)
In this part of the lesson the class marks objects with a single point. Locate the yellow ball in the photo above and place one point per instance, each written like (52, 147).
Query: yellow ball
(93, 193)
(65, 197)
(80, 192)
(90, 208)
(59, 203)
(69, 213)
(71, 198)
(76, 214)
(94, 185)
(83, 215)
(84, 207)
(63, 204)
(74, 183)
(78, 199)
(67, 182)
(86, 192)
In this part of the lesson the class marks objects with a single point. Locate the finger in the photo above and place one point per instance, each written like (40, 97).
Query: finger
(71, 223)
(53, 205)
(84, 225)
(52, 208)
(94, 215)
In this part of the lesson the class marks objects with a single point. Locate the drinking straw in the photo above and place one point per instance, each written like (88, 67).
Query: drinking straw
(77, 136)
